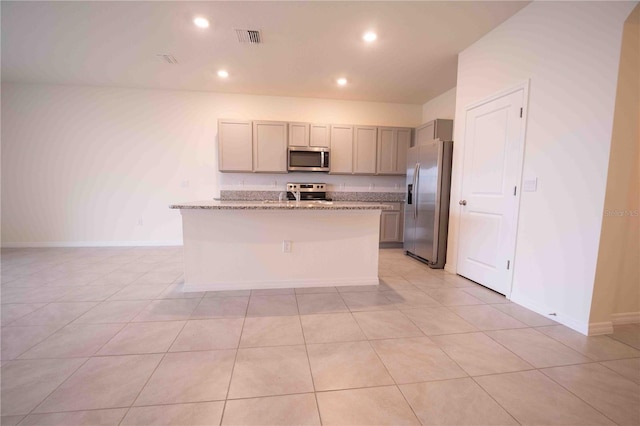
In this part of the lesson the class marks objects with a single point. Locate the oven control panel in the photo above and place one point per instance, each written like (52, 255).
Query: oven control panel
(307, 187)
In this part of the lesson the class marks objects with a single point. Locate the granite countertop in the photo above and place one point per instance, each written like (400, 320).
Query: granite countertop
(284, 205)
(380, 197)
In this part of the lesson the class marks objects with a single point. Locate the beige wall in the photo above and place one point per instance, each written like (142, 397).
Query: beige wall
(617, 283)
(443, 106)
(99, 166)
(569, 53)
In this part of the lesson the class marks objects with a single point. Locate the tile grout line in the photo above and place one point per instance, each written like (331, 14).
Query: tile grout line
(491, 396)
(155, 369)
(306, 351)
(235, 359)
(541, 370)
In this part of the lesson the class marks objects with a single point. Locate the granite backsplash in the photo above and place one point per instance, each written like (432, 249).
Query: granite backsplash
(391, 197)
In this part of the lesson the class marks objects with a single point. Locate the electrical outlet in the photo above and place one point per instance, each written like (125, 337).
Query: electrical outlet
(286, 246)
(140, 222)
(372, 186)
(184, 184)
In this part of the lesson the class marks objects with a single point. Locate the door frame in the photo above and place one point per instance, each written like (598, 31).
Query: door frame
(524, 86)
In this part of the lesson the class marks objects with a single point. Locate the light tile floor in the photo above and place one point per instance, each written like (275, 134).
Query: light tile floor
(106, 336)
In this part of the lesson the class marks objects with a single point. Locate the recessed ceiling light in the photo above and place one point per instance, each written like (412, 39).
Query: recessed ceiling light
(341, 81)
(201, 22)
(223, 74)
(369, 36)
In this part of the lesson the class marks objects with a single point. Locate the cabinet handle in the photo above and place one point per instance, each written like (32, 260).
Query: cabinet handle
(463, 202)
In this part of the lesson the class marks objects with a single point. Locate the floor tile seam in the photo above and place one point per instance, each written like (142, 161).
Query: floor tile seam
(97, 353)
(583, 354)
(541, 370)
(517, 319)
(492, 397)
(16, 319)
(127, 286)
(70, 357)
(233, 366)
(69, 411)
(506, 348)
(57, 387)
(133, 401)
(111, 301)
(35, 344)
(442, 348)
(444, 334)
(306, 351)
(567, 346)
(617, 372)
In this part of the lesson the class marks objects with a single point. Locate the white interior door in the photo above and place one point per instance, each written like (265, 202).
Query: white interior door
(491, 173)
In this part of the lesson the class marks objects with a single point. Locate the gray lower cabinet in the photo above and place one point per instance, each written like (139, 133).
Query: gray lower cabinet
(391, 224)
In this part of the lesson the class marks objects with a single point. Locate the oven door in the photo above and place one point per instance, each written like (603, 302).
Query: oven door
(308, 159)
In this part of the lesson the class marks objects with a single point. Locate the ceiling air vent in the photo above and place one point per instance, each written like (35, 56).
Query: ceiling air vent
(169, 59)
(249, 36)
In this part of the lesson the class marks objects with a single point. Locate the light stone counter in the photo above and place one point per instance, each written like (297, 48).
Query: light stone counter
(284, 205)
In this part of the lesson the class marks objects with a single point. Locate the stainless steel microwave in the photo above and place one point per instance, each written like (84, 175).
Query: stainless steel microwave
(308, 159)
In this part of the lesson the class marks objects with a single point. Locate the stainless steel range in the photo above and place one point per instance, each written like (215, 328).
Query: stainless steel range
(307, 191)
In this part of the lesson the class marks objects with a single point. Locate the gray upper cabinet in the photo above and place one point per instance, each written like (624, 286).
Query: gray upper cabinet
(235, 146)
(341, 155)
(298, 134)
(270, 146)
(404, 141)
(309, 134)
(437, 129)
(320, 135)
(364, 150)
(393, 144)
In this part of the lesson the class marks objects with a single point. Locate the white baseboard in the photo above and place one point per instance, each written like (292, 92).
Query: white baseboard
(47, 244)
(596, 328)
(579, 326)
(257, 285)
(625, 318)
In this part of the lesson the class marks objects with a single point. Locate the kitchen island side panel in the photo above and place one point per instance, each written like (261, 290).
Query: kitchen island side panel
(243, 249)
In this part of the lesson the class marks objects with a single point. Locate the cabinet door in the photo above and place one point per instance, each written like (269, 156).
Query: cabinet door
(390, 226)
(269, 147)
(341, 154)
(404, 140)
(387, 151)
(364, 150)
(425, 133)
(320, 135)
(298, 134)
(235, 152)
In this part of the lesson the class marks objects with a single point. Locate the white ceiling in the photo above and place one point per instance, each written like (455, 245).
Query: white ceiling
(307, 45)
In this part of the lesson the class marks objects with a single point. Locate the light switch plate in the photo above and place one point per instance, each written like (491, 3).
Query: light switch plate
(530, 185)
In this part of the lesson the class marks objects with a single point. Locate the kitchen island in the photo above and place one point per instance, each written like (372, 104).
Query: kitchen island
(240, 245)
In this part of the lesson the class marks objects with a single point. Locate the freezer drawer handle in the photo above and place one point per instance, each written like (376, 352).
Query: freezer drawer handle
(463, 202)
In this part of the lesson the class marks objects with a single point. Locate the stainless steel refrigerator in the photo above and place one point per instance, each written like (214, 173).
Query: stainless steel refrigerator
(426, 213)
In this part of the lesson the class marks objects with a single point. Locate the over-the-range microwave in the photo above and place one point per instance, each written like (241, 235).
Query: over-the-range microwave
(308, 159)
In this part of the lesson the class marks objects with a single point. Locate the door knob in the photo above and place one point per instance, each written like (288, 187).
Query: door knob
(463, 202)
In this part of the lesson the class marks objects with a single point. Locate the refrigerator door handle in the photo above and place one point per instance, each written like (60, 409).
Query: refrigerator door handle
(416, 174)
